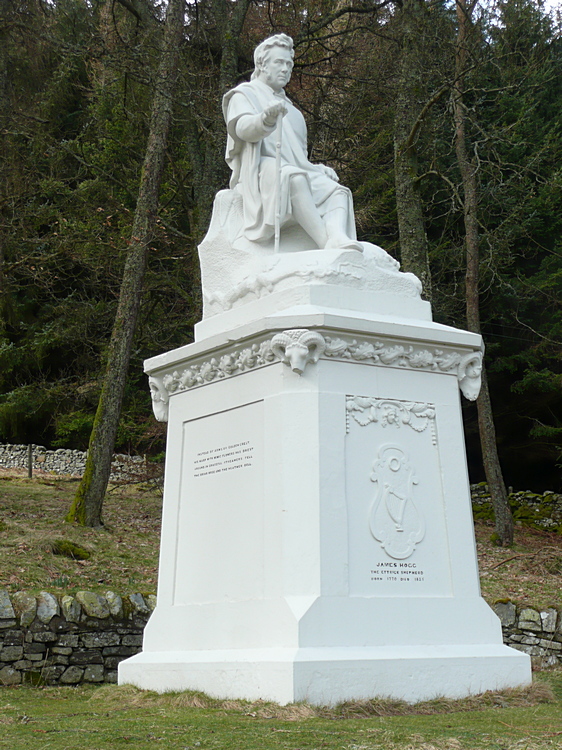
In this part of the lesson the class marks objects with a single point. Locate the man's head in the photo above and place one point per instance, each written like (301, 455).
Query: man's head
(273, 59)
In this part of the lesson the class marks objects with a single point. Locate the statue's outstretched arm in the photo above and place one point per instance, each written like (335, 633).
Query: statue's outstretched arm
(251, 128)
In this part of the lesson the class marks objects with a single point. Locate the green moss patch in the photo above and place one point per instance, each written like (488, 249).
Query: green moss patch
(69, 549)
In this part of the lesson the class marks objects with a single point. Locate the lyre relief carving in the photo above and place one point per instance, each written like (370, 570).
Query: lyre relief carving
(395, 521)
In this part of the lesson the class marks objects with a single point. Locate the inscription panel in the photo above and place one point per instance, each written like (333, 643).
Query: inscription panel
(397, 572)
(220, 534)
(223, 459)
(398, 541)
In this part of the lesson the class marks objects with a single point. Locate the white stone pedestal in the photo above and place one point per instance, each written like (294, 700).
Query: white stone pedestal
(317, 539)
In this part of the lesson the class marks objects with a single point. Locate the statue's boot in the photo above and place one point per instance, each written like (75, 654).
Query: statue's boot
(341, 242)
(336, 222)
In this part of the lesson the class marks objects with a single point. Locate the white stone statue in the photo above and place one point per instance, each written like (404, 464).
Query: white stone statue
(284, 222)
(303, 193)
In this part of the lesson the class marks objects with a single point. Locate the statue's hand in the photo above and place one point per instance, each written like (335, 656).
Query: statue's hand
(329, 172)
(269, 115)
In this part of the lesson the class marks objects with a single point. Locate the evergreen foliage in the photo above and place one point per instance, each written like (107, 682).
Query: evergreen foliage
(77, 80)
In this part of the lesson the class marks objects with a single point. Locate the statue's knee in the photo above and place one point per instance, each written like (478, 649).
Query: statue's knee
(298, 184)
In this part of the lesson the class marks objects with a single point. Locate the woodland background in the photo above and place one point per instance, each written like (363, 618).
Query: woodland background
(77, 82)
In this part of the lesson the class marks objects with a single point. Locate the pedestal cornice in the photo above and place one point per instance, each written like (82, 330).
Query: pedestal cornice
(196, 367)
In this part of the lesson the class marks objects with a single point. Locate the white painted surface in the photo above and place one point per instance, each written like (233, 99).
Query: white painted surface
(221, 500)
(327, 676)
(410, 558)
(284, 222)
(317, 539)
(265, 584)
(376, 293)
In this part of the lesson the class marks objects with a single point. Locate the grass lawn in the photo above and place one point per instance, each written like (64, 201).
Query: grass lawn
(124, 554)
(113, 717)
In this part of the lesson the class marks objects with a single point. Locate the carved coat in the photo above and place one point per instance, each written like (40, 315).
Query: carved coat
(250, 153)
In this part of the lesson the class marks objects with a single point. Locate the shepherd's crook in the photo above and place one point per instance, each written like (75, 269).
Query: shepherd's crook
(278, 136)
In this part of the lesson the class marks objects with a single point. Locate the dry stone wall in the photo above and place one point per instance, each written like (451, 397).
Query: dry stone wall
(540, 511)
(70, 462)
(536, 632)
(68, 640)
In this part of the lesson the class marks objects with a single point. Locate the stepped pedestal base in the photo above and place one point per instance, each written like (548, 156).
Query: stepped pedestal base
(327, 676)
(317, 537)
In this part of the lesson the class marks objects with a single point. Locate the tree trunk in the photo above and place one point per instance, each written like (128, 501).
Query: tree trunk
(468, 169)
(413, 239)
(86, 508)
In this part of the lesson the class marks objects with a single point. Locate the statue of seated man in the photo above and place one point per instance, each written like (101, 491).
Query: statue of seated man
(303, 193)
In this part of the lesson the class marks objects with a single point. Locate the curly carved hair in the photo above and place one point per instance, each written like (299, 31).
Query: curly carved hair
(264, 48)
